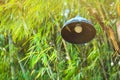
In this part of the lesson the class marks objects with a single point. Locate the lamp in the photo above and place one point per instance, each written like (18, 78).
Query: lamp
(78, 30)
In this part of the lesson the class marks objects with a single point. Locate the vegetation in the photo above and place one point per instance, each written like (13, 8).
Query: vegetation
(31, 46)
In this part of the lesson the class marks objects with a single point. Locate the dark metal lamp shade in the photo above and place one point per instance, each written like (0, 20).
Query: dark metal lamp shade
(78, 30)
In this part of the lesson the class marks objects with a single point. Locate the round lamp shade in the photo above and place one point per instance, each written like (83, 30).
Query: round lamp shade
(78, 30)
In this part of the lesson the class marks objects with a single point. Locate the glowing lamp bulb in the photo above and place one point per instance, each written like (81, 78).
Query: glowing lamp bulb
(78, 29)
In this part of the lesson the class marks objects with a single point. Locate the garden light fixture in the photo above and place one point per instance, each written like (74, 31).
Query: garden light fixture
(78, 30)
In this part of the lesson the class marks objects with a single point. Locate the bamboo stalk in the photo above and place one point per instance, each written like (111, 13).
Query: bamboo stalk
(22, 68)
(11, 57)
(113, 40)
(103, 69)
(118, 30)
(11, 51)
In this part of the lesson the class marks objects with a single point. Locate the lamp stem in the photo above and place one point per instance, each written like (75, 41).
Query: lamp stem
(78, 7)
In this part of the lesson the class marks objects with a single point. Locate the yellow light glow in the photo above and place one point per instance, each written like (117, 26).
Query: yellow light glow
(78, 29)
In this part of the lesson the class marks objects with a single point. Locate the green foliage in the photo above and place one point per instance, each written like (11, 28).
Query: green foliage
(35, 25)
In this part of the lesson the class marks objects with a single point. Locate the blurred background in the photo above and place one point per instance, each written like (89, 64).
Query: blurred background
(31, 46)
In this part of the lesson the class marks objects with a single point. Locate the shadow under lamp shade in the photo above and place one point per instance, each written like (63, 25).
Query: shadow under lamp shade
(78, 30)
